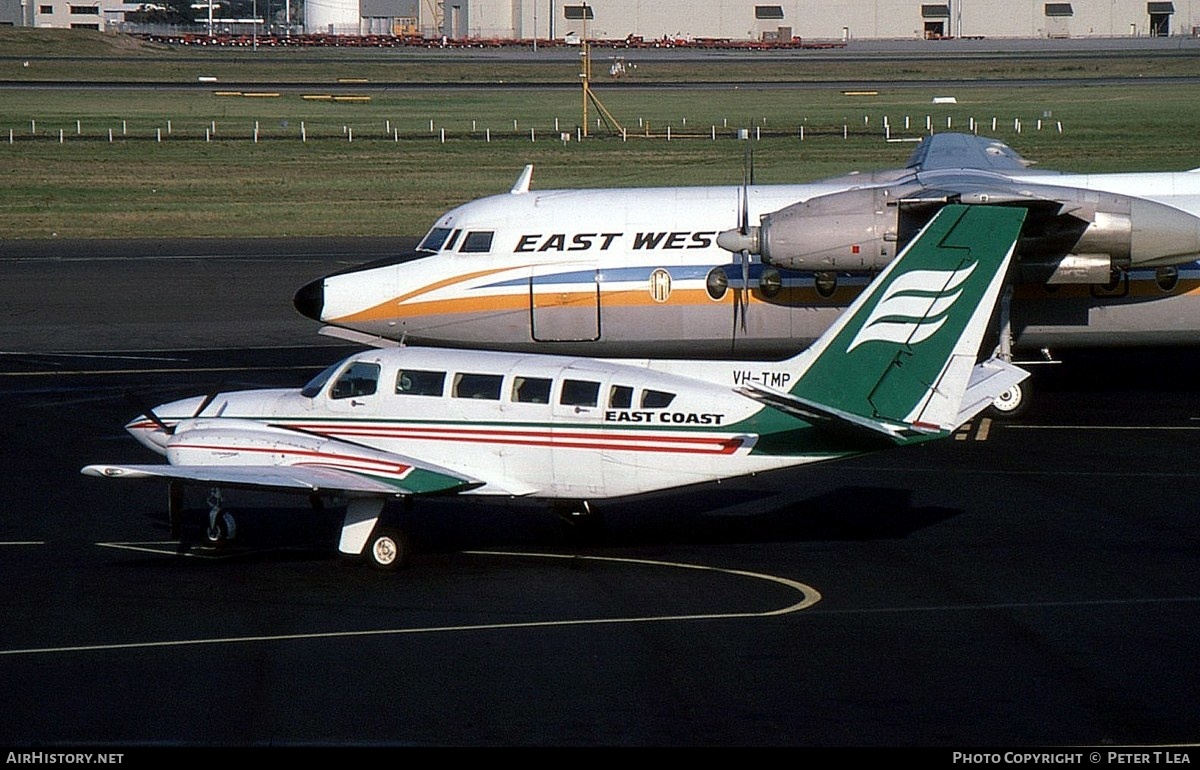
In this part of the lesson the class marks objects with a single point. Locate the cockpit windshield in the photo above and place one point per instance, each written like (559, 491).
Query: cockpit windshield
(435, 239)
(313, 388)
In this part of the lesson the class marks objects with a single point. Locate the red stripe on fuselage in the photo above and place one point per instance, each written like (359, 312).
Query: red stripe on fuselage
(633, 442)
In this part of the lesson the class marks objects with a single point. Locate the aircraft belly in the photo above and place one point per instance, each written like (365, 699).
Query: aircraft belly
(1087, 322)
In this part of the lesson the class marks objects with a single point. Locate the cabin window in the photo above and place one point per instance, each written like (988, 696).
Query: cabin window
(620, 397)
(477, 242)
(434, 240)
(360, 379)
(579, 393)
(768, 11)
(415, 382)
(531, 390)
(480, 386)
(656, 399)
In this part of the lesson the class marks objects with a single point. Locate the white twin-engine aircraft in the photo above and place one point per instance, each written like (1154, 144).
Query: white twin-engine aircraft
(900, 366)
(759, 271)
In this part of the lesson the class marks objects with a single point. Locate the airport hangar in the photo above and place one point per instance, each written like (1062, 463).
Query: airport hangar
(772, 21)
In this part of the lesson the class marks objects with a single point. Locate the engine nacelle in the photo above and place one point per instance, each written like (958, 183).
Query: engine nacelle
(855, 230)
(862, 229)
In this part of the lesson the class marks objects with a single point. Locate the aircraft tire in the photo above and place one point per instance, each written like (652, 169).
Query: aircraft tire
(1012, 403)
(388, 550)
(223, 529)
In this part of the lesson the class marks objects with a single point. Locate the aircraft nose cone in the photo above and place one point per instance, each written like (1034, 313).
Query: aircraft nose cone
(310, 299)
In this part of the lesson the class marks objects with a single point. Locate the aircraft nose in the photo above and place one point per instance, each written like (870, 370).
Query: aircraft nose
(310, 299)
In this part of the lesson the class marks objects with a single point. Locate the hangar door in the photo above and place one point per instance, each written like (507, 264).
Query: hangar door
(1058, 19)
(935, 20)
(1160, 18)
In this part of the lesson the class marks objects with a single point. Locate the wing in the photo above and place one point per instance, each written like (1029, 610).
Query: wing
(244, 453)
(950, 150)
(299, 479)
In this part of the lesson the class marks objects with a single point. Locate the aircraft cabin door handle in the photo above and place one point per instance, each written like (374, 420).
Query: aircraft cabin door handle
(356, 402)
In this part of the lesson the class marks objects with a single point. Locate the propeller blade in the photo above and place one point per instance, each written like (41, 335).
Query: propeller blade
(745, 286)
(148, 411)
(208, 399)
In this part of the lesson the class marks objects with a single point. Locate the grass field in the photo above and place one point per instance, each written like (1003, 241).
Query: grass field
(162, 162)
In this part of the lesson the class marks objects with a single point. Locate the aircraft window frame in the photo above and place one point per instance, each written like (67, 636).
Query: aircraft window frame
(453, 239)
(531, 390)
(626, 397)
(434, 239)
(477, 386)
(477, 242)
(656, 399)
(420, 382)
(361, 379)
(579, 392)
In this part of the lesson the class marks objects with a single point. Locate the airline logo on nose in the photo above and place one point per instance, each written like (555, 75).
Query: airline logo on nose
(913, 307)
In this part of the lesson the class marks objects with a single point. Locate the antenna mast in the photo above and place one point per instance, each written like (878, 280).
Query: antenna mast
(585, 76)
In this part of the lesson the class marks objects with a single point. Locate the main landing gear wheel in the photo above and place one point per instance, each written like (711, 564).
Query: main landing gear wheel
(221, 528)
(221, 525)
(1012, 403)
(388, 549)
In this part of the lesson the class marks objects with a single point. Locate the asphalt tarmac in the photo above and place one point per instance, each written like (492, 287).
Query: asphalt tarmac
(1026, 584)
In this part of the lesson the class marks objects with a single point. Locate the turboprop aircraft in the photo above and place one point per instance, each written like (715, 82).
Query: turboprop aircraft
(899, 367)
(758, 271)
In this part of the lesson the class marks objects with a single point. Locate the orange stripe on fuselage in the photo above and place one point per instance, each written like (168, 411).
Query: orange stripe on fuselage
(404, 305)
(392, 308)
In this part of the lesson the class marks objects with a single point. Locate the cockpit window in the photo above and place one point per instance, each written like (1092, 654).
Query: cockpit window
(314, 385)
(359, 379)
(434, 240)
(477, 242)
(415, 382)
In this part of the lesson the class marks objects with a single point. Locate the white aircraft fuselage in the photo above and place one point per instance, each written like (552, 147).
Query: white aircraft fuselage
(639, 272)
(901, 365)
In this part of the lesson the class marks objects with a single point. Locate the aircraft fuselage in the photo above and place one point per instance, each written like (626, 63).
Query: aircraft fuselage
(638, 272)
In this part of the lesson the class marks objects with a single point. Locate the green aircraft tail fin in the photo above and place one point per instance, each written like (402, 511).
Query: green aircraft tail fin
(903, 354)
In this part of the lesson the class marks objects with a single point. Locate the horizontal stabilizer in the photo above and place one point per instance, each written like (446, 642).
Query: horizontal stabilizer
(988, 380)
(821, 415)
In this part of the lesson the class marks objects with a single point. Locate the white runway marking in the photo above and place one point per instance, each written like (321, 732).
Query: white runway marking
(163, 370)
(808, 597)
(1103, 427)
